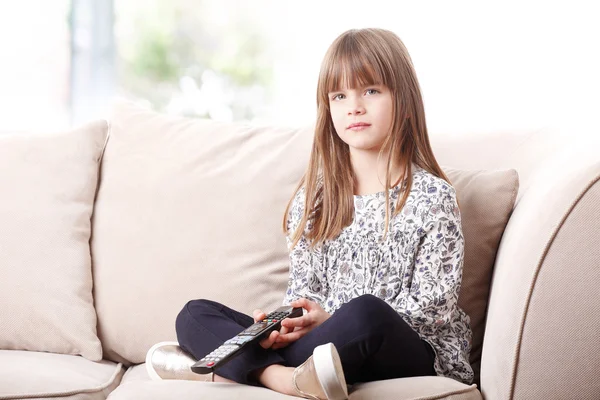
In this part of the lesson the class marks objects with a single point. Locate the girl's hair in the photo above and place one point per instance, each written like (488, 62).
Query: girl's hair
(359, 58)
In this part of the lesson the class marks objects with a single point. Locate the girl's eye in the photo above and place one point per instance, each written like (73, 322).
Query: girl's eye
(337, 96)
(372, 90)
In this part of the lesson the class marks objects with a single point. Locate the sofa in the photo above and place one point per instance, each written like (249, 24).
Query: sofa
(108, 229)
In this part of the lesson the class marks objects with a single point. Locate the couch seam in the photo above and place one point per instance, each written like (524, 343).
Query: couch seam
(111, 380)
(91, 237)
(515, 190)
(549, 243)
(446, 394)
(108, 132)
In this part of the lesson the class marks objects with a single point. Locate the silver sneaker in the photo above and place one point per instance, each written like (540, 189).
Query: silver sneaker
(321, 376)
(166, 360)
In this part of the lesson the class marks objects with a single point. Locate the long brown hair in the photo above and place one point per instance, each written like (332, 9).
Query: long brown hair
(357, 58)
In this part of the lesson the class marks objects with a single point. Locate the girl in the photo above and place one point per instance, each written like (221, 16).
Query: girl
(375, 240)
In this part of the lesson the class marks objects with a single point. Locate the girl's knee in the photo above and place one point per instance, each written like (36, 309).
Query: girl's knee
(191, 310)
(368, 316)
(370, 306)
(370, 309)
(196, 306)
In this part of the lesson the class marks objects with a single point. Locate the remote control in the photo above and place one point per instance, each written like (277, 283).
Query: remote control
(253, 334)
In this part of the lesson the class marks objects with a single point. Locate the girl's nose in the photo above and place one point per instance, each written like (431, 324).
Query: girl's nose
(356, 109)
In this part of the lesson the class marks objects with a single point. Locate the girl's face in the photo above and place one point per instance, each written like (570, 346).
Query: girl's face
(362, 117)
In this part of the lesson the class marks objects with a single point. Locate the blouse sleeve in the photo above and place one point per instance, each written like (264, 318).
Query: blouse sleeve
(432, 303)
(307, 274)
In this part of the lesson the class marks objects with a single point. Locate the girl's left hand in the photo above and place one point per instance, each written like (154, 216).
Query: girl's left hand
(300, 326)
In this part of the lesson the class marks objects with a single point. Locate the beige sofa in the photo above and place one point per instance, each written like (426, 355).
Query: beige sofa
(108, 230)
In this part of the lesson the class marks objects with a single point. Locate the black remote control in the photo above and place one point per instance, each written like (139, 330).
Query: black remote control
(253, 334)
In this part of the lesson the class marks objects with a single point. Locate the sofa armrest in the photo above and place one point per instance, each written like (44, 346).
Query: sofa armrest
(542, 329)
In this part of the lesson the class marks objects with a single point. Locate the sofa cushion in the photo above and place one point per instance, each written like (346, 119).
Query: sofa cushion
(188, 209)
(30, 374)
(486, 200)
(136, 384)
(48, 183)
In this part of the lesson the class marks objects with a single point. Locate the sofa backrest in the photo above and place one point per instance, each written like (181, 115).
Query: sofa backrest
(525, 150)
(180, 215)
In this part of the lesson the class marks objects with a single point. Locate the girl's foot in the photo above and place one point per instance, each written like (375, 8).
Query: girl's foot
(321, 376)
(166, 360)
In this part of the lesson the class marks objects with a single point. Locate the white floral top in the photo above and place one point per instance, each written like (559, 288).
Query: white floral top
(417, 269)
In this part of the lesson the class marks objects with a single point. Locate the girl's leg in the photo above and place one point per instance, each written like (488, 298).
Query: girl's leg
(373, 341)
(204, 325)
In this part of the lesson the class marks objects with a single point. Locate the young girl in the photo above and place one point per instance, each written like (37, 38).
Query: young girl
(375, 239)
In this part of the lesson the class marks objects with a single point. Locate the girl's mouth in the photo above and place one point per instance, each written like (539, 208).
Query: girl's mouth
(358, 126)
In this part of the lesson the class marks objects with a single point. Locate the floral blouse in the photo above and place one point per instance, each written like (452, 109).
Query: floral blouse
(417, 269)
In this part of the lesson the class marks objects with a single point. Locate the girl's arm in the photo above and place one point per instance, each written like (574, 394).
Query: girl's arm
(437, 274)
(431, 306)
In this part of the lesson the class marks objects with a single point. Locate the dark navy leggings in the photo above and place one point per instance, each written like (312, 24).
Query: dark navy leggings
(373, 341)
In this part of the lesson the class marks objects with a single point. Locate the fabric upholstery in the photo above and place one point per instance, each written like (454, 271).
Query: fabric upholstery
(525, 277)
(570, 274)
(522, 150)
(188, 209)
(30, 374)
(48, 183)
(137, 384)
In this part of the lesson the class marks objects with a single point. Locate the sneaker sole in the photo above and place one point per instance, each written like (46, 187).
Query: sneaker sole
(330, 372)
(149, 368)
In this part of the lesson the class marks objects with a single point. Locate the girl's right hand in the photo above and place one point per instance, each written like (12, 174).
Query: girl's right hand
(267, 343)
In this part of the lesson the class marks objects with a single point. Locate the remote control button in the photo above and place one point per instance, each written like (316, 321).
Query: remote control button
(210, 364)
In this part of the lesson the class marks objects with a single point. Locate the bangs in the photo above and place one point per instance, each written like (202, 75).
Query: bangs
(355, 66)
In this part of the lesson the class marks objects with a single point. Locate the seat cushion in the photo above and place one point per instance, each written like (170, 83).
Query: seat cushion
(48, 183)
(423, 387)
(36, 375)
(136, 384)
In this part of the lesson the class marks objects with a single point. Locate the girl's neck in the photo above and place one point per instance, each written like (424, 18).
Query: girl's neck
(370, 174)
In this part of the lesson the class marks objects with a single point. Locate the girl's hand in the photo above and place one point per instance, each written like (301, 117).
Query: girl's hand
(300, 326)
(268, 342)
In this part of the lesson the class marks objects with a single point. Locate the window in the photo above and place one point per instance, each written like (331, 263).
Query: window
(480, 66)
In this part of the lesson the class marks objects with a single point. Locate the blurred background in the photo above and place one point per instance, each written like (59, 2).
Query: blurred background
(481, 65)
